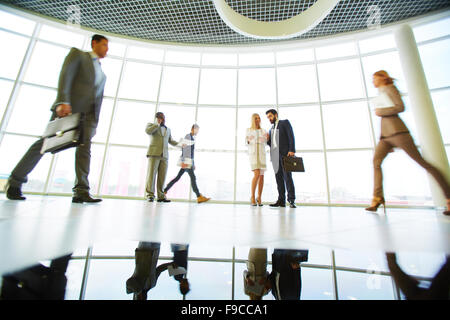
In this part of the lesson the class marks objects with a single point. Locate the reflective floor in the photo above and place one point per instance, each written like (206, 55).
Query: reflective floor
(128, 249)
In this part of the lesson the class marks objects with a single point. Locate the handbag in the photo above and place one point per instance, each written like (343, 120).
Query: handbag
(185, 163)
(293, 164)
(63, 133)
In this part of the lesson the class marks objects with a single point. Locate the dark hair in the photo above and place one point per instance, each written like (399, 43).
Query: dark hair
(159, 114)
(195, 126)
(272, 111)
(98, 37)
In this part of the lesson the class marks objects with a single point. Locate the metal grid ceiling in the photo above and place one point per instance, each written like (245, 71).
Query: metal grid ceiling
(197, 22)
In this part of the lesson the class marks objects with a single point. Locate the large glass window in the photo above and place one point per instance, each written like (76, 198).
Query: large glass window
(377, 43)
(130, 122)
(215, 174)
(297, 84)
(336, 50)
(436, 66)
(219, 59)
(322, 88)
(257, 86)
(12, 55)
(218, 86)
(350, 176)
(143, 53)
(179, 84)
(61, 36)
(12, 149)
(389, 62)
(292, 56)
(5, 92)
(64, 172)
(342, 121)
(31, 111)
(218, 128)
(125, 172)
(340, 80)
(441, 102)
(45, 64)
(306, 124)
(16, 23)
(111, 67)
(140, 81)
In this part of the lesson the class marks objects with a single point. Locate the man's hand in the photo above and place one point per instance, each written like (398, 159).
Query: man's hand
(63, 110)
(291, 154)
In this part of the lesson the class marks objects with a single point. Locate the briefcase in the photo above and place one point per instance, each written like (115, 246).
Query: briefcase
(63, 133)
(293, 164)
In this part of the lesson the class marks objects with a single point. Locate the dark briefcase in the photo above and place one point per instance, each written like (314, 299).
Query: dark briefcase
(63, 133)
(293, 164)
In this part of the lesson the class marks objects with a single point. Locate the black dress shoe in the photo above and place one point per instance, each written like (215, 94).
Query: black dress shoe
(14, 193)
(80, 198)
(292, 205)
(278, 204)
(150, 199)
(163, 200)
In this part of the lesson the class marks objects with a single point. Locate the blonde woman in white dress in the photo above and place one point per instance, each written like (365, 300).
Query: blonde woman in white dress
(256, 140)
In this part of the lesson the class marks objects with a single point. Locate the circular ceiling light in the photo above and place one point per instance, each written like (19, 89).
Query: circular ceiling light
(273, 30)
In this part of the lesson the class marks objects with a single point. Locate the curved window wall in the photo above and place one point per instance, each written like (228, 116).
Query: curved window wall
(323, 89)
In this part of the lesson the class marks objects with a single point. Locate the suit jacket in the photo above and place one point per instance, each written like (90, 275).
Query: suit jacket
(159, 142)
(390, 121)
(76, 85)
(285, 140)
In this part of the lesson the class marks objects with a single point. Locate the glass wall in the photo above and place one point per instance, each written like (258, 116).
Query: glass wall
(323, 90)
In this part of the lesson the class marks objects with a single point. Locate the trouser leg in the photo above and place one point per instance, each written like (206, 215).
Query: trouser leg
(174, 180)
(279, 177)
(381, 151)
(289, 185)
(31, 158)
(153, 164)
(162, 172)
(193, 182)
(406, 143)
(83, 159)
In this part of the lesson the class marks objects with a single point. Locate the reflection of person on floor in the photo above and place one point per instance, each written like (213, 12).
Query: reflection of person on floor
(37, 282)
(180, 258)
(256, 277)
(285, 278)
(146, 272)
(438, 290)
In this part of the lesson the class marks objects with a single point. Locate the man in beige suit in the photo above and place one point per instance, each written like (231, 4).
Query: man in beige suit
(158, 156)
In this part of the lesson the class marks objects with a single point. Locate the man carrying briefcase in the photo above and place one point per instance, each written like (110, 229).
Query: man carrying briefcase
(282, 143)
(80, 90)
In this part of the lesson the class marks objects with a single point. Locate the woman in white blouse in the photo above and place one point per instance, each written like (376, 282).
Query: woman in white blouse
(256, 140)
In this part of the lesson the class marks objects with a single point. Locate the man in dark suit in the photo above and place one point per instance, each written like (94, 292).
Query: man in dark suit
(80, 90)
(282, 143)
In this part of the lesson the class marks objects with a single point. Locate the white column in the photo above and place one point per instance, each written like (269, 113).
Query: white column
(432, 146)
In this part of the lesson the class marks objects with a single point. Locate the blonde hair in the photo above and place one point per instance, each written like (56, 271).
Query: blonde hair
(385, 76)
(253, 125)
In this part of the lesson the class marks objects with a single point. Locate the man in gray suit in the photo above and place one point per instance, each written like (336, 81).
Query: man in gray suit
(80, 90)
(158, 156)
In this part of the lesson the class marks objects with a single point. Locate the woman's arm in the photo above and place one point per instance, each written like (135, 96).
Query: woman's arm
(396, 98)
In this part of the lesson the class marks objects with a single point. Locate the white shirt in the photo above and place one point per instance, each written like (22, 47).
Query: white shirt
(98, 69)
(274, 138)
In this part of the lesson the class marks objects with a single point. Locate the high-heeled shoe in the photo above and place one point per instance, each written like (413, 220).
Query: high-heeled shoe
(258, 201)
(376, 202)
(447, 212)
(252, 202)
